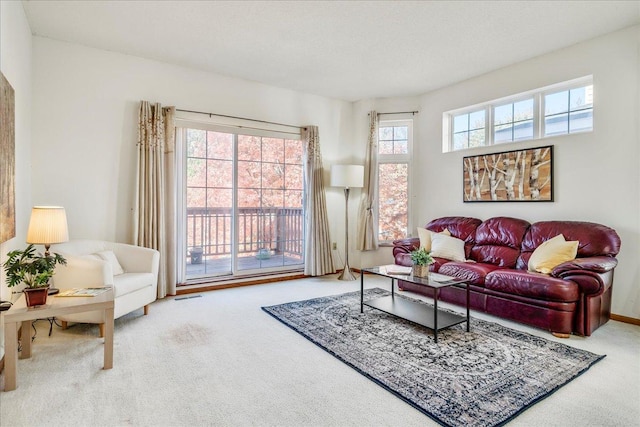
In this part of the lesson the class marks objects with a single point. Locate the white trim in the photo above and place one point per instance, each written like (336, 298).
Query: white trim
(230, 125)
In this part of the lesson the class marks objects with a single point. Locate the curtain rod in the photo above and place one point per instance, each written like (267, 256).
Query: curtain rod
(241, 118)
(413, 113)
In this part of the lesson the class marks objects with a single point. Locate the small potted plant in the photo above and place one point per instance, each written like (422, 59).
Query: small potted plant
(34, 270)
(422, 259)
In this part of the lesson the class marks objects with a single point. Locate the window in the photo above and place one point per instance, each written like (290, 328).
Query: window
(513, 121)
(242, 204)
(394, 149)
(468, 130)
(559, 109)
(568, 111)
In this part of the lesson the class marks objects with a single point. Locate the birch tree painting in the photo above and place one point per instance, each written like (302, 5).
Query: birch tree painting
(7, 161)
(519, 175)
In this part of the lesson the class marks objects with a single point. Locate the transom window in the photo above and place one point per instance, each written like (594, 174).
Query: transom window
(568, 111)
(554, 110)
(513, 121)
(468, 130)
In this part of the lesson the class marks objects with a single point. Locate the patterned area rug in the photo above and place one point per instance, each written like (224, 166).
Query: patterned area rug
(485, 377)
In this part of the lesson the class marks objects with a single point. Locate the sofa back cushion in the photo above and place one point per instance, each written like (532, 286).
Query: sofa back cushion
(595, 239)
(498, 241)
(461, 227)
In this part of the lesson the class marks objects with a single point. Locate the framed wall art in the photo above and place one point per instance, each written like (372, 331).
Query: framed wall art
(509, 176)
(7, 161)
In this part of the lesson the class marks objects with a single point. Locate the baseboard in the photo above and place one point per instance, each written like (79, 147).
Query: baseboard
(236, 284)
(625, 319)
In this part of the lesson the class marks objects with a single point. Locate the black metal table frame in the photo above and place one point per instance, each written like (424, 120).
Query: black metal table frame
(413, 311)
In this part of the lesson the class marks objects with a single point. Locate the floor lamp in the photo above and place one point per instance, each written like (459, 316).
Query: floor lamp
(347, 176)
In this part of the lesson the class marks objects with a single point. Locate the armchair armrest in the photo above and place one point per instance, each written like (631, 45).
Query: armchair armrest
(137, 259)
(405, 246)
(81, 272)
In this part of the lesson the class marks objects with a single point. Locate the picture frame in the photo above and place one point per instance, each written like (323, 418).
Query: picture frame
(524, 175)
(7, 161)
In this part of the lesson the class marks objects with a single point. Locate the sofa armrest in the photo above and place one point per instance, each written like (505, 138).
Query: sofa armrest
(405, 246)
(596, 264)
(592, 274)
(80, 272)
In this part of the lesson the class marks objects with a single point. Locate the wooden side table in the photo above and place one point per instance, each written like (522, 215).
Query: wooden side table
(19, 314)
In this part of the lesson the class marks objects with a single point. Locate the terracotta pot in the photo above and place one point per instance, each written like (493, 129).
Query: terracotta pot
(420, 270)
(36, 296)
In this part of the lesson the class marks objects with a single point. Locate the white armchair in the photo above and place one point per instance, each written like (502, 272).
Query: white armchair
(131, 270)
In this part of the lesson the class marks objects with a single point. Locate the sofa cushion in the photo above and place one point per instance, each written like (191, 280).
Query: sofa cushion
(473, 273)
(595, 239)
(461, 227)
(425, 237)
(532, 285)
(498, 241)
(448, 247)
(552, 253)
(130, 282)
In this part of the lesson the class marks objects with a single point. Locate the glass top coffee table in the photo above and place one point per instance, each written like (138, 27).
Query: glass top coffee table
(413, 311)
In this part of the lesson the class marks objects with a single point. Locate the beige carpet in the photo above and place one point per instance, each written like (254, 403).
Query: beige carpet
(220, 360)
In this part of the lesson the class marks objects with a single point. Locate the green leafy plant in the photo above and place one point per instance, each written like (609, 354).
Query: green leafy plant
(31, 268)
(421, 257)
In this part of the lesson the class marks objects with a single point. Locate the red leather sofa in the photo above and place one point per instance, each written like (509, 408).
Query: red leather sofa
(574, 298)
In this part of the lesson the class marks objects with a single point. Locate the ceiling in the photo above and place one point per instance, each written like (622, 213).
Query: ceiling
(348, 50)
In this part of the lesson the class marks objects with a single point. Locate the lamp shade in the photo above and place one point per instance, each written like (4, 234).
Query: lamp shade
(348, 176)
(48, 225)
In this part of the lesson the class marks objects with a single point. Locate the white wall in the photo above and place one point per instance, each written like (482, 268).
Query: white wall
(596, 175)
(85, 126)
(15, 64)
(84, 131)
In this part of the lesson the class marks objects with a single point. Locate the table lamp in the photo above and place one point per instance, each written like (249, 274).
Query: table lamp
(48, 225)
(347, 176)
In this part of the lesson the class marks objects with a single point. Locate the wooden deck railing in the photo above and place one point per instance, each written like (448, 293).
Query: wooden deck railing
(279, 230)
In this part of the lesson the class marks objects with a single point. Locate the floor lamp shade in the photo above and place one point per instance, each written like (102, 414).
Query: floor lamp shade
(48, 225)
(347, 176)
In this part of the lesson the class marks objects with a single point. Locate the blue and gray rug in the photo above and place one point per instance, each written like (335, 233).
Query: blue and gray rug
(485, 377)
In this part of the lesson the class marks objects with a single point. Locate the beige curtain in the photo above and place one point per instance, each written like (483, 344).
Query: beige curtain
(317, 249)
(367, 239)
(156, 187)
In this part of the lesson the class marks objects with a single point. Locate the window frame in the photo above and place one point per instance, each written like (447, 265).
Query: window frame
(489, 107)
(395, 159)
(181, 128)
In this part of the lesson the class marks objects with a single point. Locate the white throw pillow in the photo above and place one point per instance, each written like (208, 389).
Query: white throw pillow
(110, 257)
(425, 237)
(447, 247)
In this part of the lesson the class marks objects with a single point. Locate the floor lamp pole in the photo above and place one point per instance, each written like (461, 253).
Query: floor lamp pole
(346, 272)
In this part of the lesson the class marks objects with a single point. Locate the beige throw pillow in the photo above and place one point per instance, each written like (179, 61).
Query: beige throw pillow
(447, 247)
(110, 257)
(425, 237)
(552, 253)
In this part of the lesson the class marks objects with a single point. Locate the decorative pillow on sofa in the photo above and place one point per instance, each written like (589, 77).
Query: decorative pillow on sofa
(425, 237)
(110, 257)
(552, 253)
(447, 247)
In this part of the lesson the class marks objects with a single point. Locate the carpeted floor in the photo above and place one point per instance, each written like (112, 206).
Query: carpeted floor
(219, 360)
(484, 377)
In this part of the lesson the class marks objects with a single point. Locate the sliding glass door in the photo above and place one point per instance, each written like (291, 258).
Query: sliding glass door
(242, 205)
